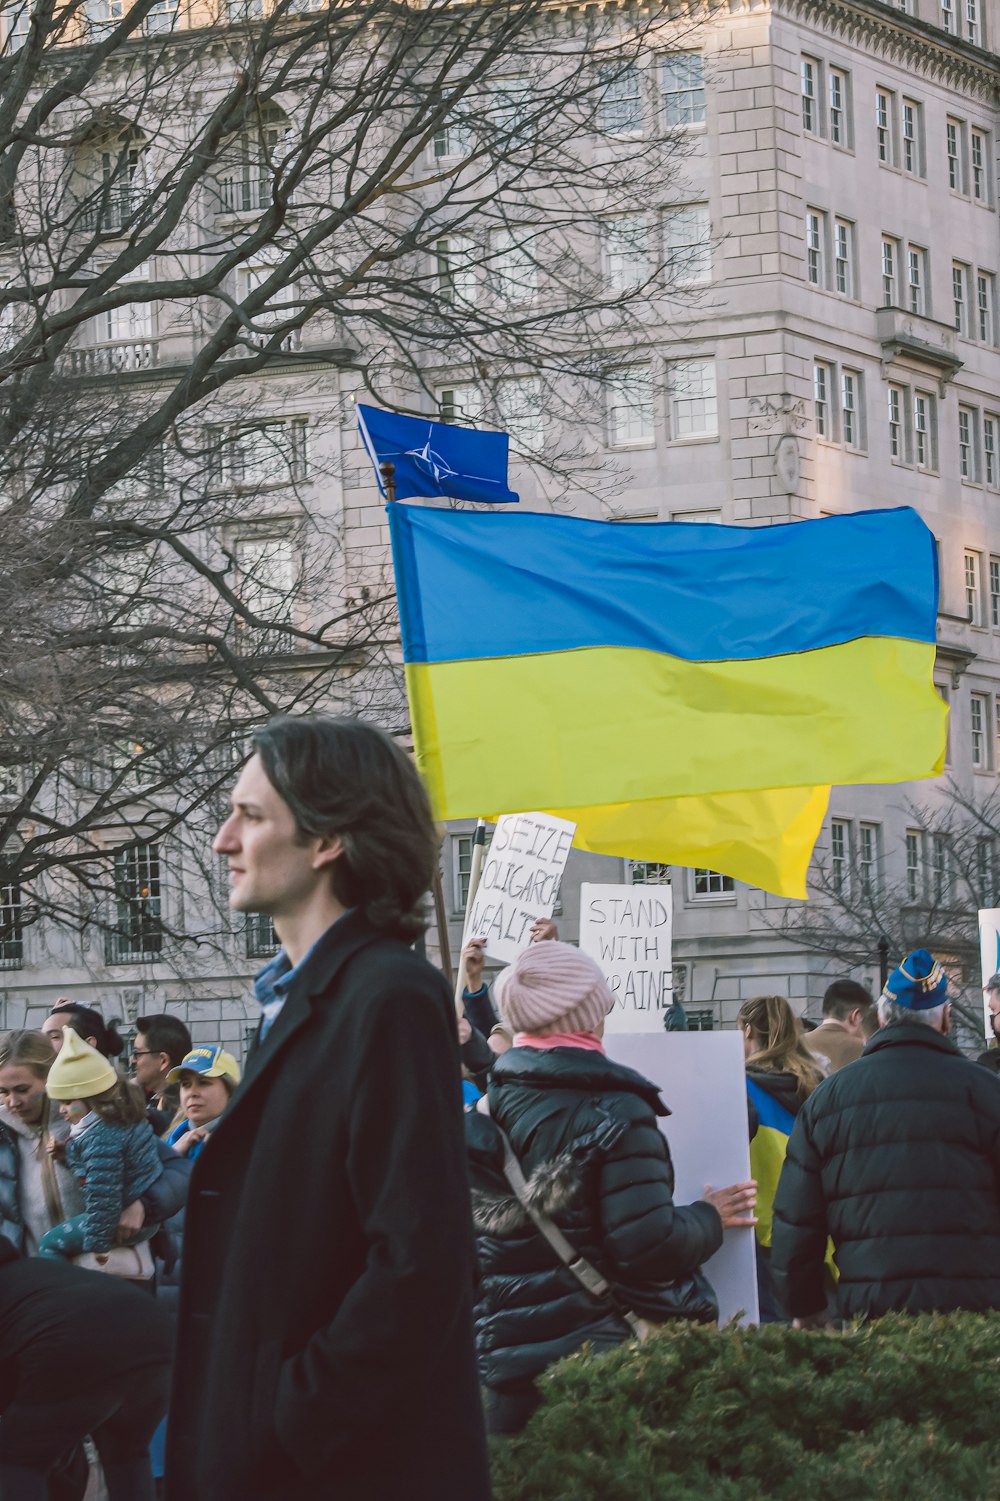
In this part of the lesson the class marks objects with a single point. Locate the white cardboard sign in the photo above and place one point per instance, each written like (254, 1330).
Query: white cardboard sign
(520, 881)
(702, 1078)
(627, 929)
(989, 956)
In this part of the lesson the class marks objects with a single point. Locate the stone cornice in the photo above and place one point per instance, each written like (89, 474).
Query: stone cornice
(883, 31)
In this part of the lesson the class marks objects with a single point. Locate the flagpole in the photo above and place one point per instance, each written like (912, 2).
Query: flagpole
(387, 470)
(475, 871)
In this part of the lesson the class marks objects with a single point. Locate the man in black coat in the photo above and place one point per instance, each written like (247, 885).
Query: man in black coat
(897, 1158)
(80, 1353)
(325, 1342)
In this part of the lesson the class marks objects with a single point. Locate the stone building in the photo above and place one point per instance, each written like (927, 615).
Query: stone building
(836, 349)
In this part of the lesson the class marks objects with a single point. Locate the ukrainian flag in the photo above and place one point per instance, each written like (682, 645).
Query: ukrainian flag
(697, 686)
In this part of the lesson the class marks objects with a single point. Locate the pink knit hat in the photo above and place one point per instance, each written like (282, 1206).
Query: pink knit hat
(552, 987)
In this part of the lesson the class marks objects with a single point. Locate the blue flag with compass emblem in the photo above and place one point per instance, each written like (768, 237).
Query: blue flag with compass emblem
(436, 459)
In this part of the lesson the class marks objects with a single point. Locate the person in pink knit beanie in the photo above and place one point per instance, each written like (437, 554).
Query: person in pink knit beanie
(552, 989)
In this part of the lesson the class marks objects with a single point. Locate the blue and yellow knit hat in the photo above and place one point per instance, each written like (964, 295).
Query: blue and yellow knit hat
(918, 984)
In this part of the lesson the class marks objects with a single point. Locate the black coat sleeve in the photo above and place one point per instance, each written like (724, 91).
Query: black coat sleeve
(646, 1236)
(799, 1232)
(408, 1182)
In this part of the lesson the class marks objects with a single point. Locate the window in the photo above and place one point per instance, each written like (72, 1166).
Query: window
(512, 112)
(271, 453)
(702, 1020)
(630, 407)
(648, 873)
(914, 865)
(940, 868)
(960, 297)
(843, 257)
(519, 408)
(267, 576)
(815, 246)
(924, 430)
(840, 119)
(995, 593)
(711, 883)
(452, 141)
(822, 386)
(852, 408)
(968, 444)
(986, 871)
(462, 404)
(916, 279)
(913, 138)
(121, 185)
(986, 299)
(683, 81)
(868, 861)
(133, 321)
(840, 855)
(973, 597)
(512, 270)
(136, 932)
(897, 436)
(461, 862)
(694, 411)
(955, 147)
(260, 939)
(257, 154)
(620, 109)
(890, 264)
(626, 251)
(980, 153)
(162, 16)
(973, 29)
(16, 28)
(11, 926)
(979, 714)
(885, 127)
(688, 238)
(990, 469)
(948, 15)
(455, 260)
(810, 95)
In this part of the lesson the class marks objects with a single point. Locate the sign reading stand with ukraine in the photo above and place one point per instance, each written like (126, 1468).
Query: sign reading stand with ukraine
(614, 673)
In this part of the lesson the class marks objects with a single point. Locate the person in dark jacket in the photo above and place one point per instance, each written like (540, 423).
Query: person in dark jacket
(80, 1354)
(585, 1132)
(781, 1075)
(897, 1158)
(324, 1344)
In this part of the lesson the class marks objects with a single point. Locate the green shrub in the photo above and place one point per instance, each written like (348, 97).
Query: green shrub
(905, 1408)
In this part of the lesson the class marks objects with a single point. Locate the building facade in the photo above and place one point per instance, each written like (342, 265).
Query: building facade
(836, 348)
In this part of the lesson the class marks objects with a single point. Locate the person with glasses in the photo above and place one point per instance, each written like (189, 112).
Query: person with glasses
(161, 1043)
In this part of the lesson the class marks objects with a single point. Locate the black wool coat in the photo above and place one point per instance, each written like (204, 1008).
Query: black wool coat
(897, 1157)
(584, 1130)
(325, 1341)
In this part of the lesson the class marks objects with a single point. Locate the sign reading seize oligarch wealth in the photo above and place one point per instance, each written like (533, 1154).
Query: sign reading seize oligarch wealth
(627, 929)
(520, 881)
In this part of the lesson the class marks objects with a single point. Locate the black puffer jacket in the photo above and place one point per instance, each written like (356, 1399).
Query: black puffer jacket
(584, 1129)
(897, 1157)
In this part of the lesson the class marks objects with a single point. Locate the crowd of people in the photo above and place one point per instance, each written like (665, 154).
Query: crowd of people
(339, 1280)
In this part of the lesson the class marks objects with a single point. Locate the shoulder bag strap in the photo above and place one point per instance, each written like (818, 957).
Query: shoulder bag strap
(583, 1270)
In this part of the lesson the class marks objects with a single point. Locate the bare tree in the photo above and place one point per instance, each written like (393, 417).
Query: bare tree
(215, 226)
(949, 871)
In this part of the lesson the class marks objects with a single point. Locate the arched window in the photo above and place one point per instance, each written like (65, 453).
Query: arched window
(252, 159)
(112, 179)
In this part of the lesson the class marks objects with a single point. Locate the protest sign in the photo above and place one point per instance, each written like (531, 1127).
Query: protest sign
(703, 1082)
(989, 956)
(519, 882)
(627, 930)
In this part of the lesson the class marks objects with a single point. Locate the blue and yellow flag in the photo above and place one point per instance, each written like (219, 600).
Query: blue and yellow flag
(650, 677)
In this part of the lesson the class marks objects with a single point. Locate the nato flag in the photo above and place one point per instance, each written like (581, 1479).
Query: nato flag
(436, 459)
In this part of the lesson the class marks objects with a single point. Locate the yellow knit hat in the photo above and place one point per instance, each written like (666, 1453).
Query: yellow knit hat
(79, 1071)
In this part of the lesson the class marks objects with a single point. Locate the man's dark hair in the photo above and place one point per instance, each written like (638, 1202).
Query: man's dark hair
(993, 983)
(347, 778)
(86, 1022)
(165, 1034)
(845, 996)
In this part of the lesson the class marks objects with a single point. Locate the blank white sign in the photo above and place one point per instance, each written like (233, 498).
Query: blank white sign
(701, 1076)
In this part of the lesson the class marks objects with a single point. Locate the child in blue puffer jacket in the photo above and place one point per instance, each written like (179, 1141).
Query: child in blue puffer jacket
(111, 1147)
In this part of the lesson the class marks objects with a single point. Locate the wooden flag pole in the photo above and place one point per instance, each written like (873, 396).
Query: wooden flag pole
(475, 871)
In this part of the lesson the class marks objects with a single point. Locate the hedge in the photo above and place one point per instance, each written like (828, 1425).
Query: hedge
(903, 1408)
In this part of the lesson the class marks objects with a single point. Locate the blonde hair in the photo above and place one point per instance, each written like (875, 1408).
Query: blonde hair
(772, 1018)
(30, 1050)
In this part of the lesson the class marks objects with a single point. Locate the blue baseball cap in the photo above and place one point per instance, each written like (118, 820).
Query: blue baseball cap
(212, 1062)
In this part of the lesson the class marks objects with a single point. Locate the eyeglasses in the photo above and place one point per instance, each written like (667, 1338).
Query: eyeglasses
(143, 1053)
